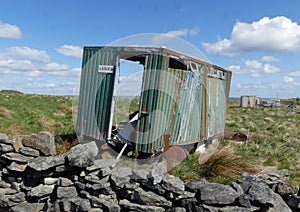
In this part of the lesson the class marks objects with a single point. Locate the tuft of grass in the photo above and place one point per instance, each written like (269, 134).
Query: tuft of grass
(224, 166)
(5, 113)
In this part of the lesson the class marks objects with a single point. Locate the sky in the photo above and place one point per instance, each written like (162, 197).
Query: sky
(41, 42)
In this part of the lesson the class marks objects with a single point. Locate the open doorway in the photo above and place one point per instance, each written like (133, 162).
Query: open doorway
(126, 100)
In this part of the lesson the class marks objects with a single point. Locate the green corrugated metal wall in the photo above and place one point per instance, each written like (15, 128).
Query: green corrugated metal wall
(96, 91)
(177, 95)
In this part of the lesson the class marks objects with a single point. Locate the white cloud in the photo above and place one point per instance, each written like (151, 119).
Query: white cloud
(51, 67)
(60, 70)
(270, 69)
(269, 59)
(253, 64)
(294, 74)
(277, 34)
(31, 71)
(25, 52)
(160, 38)
(9, 31)
(236, 69)
(16, 66)
(254, 68)
(288, 79)
(70, 51)
(183, 32)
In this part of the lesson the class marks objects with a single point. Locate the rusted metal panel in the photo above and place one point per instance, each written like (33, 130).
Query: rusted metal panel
(241, 136)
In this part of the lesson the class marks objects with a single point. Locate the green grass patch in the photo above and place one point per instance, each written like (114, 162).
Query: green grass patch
(22, 114)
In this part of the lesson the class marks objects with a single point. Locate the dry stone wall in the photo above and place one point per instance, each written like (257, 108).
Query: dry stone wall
(33, 179)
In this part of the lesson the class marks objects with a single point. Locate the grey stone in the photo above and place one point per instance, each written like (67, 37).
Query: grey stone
(4, 148)
(246, 181)
(96, 186)
(284, 188)
(16, 186)
(128, 206)
(195, 185)
(44, 142)
(261, 195)
(61, 168)
(275, 175)
(17, 144)
(101, 164)
(64, 182)
(14, 166)
(7, 191)
(4, 184)
(156, 188)
(83, 155)
(82, 174)
(41, 190)
(95, 210)
(234, 208)
(141, 174)
(237, 188)
(3, 138)
(9, 200)
(107, 205)
(105, 172)
(72, 204)
(50, 180)
(217, 194)
(24, 186)
(85, 194)
(96, 183)
(25, 206)
(121, 172)
(92, 179)
(44, 163)
(186, 194)
(176, 209)
(93, 173)
(79, 185)
(16, 157)
(244, 201)
(150, 198)
(131, 185)
(158, 172)
(207, 208)
(189, 204)
(28, 151)
(119, 182)
(173, 184)
(67, 192)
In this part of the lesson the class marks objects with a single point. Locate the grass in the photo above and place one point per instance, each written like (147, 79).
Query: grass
(224, 166)
(275, 134)
(275, 142)
(22, 115)
(124, 107)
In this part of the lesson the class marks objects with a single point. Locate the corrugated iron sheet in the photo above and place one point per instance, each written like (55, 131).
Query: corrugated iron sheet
(96, 91)
(188, 102)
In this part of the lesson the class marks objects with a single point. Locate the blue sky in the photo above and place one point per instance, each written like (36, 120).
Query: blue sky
(259, 40)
